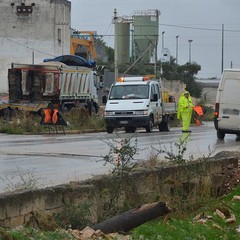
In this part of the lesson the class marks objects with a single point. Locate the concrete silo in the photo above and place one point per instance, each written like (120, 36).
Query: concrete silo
(146, 32)
(123, 30)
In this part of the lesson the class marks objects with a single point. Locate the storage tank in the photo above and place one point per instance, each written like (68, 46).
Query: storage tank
(146, 28)
(123, 30)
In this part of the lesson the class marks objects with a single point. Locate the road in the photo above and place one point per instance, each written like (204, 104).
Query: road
(48, 160)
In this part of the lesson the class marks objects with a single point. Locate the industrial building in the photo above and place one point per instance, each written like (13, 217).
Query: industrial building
(32, 30)
(137, 36)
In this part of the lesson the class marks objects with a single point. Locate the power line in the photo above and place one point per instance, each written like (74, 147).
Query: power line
(199, 28)
(22, 45)
(138, 35)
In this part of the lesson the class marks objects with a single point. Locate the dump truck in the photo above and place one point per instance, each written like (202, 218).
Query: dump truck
(34, 87)
(139, 102)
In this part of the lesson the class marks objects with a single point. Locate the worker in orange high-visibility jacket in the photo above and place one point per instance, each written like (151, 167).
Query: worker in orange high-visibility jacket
(185, 108)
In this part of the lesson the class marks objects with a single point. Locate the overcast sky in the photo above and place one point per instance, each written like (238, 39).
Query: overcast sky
(197, 20)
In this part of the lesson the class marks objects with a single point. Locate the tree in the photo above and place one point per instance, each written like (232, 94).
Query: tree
(169, 70)
(185, 73)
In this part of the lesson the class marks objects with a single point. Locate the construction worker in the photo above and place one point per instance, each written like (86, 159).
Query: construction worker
(185, 108)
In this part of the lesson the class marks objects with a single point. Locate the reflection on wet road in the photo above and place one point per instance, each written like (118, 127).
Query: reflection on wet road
(55, 159)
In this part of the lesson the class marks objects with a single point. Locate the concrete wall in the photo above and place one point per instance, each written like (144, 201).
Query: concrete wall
(30, 37)
(145, 186)
(209, 91)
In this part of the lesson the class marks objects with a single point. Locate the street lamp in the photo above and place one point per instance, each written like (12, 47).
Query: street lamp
(177, 49)
(163, 39)
(190, 41)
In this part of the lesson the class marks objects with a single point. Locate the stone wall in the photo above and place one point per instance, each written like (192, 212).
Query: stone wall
(146, 186)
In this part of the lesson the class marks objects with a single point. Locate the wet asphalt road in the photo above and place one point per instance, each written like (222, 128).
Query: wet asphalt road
(48, 160)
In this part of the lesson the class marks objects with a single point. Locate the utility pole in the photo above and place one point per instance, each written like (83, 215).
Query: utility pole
(155, 61)
(222, 45)
(163, 40)
(177, 49)
(190, 41)
(115, 45)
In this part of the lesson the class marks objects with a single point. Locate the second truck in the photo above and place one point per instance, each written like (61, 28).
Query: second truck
(34, 87)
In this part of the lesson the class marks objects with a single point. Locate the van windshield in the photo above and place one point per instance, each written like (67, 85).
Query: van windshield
(129, 92)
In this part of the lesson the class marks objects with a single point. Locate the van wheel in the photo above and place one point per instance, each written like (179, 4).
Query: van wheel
(109, 129)
(220, 135)
(149, 127)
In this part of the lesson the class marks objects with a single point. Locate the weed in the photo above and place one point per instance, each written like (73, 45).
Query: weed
(75, 217)
(79, 118)
(20, 123)
(120, 156)
(188, 182)
(26, 122)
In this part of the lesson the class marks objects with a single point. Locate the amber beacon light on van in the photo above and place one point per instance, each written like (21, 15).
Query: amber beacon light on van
(130, 79)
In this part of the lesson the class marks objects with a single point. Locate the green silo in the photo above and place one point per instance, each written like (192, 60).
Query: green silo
(123, 39)
(146, 31)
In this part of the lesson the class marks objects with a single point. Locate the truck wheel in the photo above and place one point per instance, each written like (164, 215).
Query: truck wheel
(130, 129)
(7, 113)
(149, 127)
(109, 129)
(220, 135)
(164, 126)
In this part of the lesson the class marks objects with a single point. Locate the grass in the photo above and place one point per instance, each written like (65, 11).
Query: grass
(25, 122)
(29, 234)
(77, 119)
(187, 226)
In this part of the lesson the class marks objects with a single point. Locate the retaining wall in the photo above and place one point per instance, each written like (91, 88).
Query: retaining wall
(146, 186)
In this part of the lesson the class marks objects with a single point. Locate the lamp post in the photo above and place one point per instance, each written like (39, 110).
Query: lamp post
(115, 45)
(163, 40)
(177, 49)
(190, 41)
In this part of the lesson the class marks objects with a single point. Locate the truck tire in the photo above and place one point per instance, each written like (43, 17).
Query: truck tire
(220, 135)
(164, 126)
(109, 129)
(130, 129)
(149, 127)
(7, 113)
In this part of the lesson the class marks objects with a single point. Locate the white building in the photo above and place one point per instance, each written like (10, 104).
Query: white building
(32, 30)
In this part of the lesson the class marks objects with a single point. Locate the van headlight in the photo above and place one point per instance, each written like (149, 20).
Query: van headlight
(109, 113)
(141, 112)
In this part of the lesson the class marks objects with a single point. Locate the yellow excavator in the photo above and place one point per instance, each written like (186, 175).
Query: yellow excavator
(83, 44)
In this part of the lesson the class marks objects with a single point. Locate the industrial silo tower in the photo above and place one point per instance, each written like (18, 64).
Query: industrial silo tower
(145, 34)
(123, 30)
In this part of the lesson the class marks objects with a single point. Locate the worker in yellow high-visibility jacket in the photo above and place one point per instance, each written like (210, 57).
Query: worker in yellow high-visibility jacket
(185, 108)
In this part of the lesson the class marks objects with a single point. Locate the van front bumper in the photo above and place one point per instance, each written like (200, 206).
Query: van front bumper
(117, 122)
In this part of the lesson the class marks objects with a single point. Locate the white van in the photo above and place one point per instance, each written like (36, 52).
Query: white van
(227, 107)
(138, 102)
